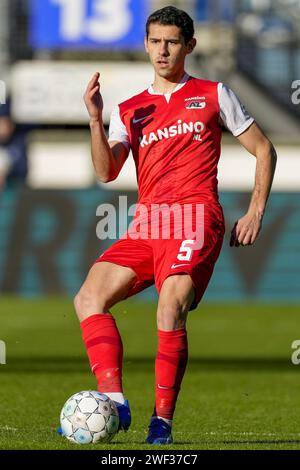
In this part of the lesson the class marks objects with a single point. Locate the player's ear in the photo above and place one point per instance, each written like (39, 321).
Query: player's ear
(191, 45)
(146, 44)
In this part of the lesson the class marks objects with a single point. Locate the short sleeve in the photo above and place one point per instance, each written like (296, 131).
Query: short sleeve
(117, 129)
(232, 112)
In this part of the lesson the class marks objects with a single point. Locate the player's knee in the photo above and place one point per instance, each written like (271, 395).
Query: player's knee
(172, 316)
(87, 303)
(79, 303)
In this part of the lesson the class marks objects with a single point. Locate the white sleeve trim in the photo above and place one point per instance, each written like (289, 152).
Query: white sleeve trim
(244, 127)
(117, 129)
(232, 112)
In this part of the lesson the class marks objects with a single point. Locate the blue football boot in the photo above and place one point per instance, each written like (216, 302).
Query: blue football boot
(124, 416)
(159, 432)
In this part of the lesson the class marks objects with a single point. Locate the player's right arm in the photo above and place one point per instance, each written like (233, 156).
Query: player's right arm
(108, 157)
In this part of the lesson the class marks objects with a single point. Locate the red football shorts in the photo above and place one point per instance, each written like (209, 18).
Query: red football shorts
(157, 247)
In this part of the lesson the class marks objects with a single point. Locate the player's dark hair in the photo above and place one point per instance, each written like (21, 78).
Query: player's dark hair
(172, 16)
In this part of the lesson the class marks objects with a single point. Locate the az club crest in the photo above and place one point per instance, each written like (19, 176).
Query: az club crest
(196, 105)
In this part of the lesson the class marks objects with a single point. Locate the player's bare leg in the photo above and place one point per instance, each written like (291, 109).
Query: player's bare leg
(176, 297)
(106, 284)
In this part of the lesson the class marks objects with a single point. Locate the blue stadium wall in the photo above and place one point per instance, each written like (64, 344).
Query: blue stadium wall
(48, 242)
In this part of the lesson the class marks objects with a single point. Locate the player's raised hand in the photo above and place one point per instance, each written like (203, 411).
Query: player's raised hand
(93, 99)
(246, 230)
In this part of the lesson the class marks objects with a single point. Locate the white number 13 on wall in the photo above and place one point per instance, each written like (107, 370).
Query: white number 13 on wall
(109, 20)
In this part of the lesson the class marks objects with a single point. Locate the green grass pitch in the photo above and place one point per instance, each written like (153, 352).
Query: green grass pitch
(241, 390)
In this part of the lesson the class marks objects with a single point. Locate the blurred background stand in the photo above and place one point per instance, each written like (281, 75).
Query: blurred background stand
(13, 149)
(49, 50)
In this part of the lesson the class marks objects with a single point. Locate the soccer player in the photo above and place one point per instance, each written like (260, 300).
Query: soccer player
(174, 131)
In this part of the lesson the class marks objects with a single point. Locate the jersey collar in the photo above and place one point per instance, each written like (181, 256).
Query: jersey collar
(181, 84)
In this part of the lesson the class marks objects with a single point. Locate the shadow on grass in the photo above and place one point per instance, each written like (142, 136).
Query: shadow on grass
(263, 441)
(64, 364)
(206, 443)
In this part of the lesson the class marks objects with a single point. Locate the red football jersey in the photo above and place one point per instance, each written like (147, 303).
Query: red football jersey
(176, 142)
(175, 139)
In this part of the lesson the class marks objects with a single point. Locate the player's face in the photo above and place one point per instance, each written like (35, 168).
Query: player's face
(167, 49)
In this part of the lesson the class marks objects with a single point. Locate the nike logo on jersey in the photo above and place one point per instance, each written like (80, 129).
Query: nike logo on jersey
(177, 265)
(135, 121)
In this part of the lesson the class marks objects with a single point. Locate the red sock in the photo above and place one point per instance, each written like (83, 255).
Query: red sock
(170, 366)
(105, 351)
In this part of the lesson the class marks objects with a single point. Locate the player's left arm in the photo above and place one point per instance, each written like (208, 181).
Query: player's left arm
(247, 228)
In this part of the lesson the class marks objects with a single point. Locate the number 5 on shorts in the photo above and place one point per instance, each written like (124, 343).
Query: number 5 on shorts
(185, 251)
